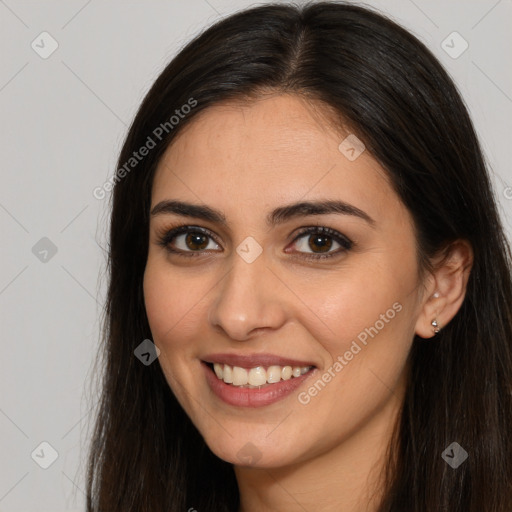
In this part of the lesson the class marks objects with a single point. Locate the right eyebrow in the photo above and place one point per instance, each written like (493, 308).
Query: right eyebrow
(189, 210)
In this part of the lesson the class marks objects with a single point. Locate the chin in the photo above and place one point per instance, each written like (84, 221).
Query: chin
(257, 451)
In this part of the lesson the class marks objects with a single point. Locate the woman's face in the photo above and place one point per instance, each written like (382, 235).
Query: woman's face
(260, 290)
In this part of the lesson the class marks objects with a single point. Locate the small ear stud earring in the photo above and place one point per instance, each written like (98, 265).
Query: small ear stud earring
(436, 326)
(436, 295)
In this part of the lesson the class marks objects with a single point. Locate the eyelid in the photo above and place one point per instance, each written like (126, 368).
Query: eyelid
(168, 234)
(317, 229)
(345, 242)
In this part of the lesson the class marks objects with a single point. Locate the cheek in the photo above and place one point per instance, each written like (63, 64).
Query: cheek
(171, 302)
(366, 332)
(341, 308)
(174, 308)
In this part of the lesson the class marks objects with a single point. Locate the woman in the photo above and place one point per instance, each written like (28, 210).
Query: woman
(303, 225)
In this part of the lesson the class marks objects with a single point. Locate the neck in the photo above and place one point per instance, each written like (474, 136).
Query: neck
(348, 477)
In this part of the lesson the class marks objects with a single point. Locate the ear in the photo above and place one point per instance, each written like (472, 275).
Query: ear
(446, 289)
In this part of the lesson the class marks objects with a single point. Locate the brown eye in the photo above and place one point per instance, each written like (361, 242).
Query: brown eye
(196, 241)
(321, 243)
(187, 241)
(316, 242)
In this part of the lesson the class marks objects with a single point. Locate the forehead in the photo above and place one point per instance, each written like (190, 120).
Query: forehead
(274, 150)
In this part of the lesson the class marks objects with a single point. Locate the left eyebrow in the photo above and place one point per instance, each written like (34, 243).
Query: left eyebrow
(275, 217)
(284, 213)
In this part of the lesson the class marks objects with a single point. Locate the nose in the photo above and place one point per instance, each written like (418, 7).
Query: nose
(249, 300)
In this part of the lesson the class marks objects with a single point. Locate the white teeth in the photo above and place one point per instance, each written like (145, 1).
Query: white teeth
(227, 374)
(258, 376)
(217, 368)
(273, 374)
(286, 372)
(240, 376)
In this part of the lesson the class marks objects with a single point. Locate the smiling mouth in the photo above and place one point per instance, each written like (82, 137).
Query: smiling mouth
(257, 377)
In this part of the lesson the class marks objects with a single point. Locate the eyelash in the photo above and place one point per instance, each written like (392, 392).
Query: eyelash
(167, 237)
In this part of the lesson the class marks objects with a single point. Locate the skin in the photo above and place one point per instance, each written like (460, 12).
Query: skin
(246, 159)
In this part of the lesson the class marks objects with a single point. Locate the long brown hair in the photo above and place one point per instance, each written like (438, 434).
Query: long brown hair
(146, 455)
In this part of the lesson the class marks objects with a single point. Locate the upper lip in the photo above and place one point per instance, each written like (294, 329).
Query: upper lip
(254, 360)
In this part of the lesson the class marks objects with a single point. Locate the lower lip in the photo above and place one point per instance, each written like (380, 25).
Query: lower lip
(252, 397)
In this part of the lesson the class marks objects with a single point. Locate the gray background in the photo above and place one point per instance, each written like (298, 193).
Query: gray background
(63, 120)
